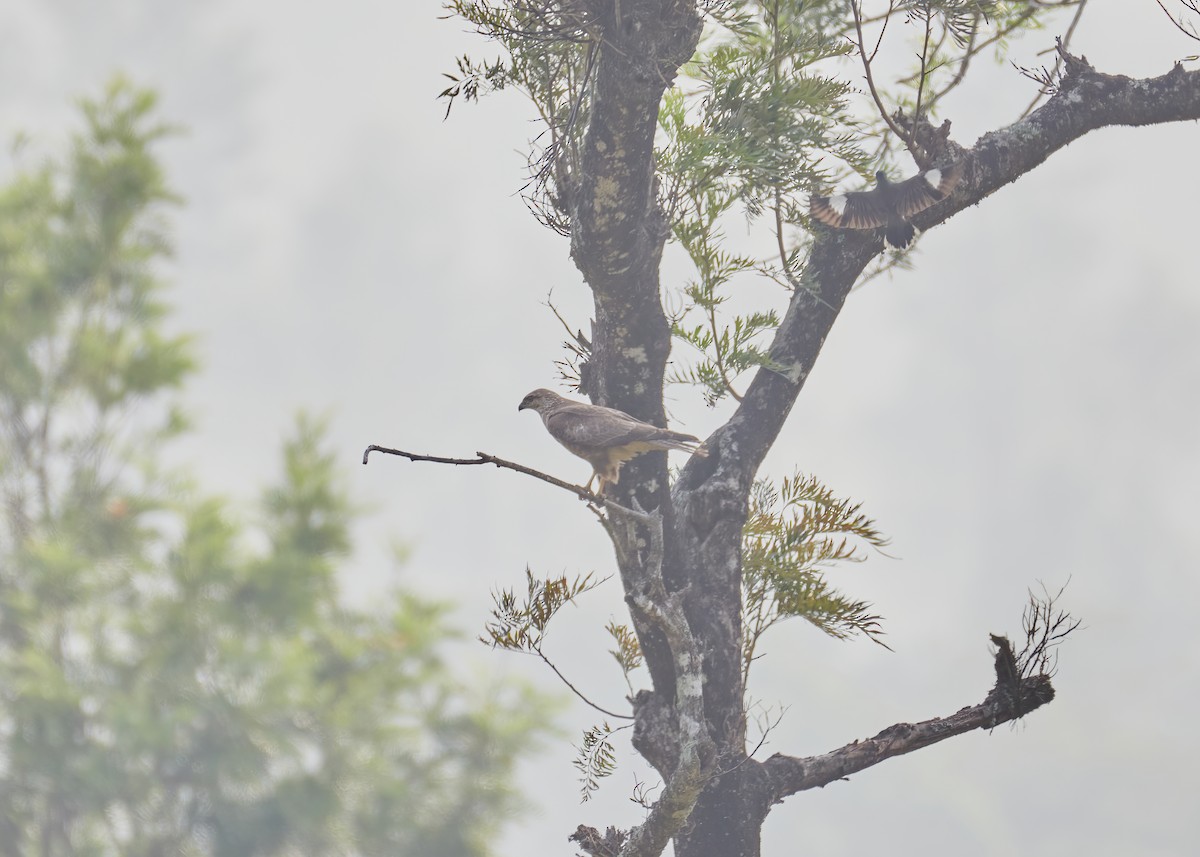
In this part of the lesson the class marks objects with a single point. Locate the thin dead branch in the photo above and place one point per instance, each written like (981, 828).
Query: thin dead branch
(1184, 26)
(866, 60)
(538, 651)
(924, 61)
(483, 458)
(1060, 53)
(573, 367)
(1046, 626)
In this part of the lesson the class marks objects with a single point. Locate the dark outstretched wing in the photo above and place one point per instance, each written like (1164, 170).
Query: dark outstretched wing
(857, 210)
(925, 189)
(883, 205)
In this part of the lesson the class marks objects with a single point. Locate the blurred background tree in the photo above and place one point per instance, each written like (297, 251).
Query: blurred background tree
(172, 679)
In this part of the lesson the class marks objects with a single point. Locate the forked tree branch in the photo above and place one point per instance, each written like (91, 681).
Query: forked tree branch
(1012, 697)
(1085, 101)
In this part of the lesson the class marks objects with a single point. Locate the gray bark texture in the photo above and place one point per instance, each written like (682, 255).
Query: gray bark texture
(678, 548)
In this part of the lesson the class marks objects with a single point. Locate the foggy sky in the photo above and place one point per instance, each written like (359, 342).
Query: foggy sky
(1021, 408)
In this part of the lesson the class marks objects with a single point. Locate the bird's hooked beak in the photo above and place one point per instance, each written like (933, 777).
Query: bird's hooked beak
(535, 399)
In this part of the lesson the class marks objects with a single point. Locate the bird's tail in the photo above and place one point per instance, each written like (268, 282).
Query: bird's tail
(899, 233)
(686, 443)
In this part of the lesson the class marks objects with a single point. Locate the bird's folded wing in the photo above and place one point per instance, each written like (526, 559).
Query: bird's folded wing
(592, 427)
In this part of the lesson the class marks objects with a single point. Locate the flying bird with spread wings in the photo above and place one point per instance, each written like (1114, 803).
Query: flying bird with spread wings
(603, 437)
(888, 205)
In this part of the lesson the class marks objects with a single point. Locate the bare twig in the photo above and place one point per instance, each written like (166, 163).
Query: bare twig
(1046, 627)
(711, 312)
(974, 49)
(579, 347)
(538, 651)
(766, 730)
(785, 266)
(642, 794)
(483, 458)
(1061, 49)
(924, 63)
(765, 726)
(862, 52)
(887, 19)
(1188, 29)
(582, 344)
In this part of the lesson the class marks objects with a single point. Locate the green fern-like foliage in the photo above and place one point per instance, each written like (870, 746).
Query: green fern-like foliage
(750, 131)
(628, 653)
(793, 534)
(521, 626)
(596, 759)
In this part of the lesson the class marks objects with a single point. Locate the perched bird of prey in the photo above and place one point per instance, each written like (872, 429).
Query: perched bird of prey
(603, 437)
(887, 205)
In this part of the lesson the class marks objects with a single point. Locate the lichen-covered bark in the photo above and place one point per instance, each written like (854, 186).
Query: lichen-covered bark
(617, 237)
(715, 799)
(617, 228)
(643, 547)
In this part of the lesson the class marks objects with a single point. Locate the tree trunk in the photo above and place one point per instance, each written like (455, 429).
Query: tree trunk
(618, 232)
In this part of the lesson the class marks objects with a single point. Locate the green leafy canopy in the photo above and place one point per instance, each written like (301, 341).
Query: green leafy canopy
(163, 688)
